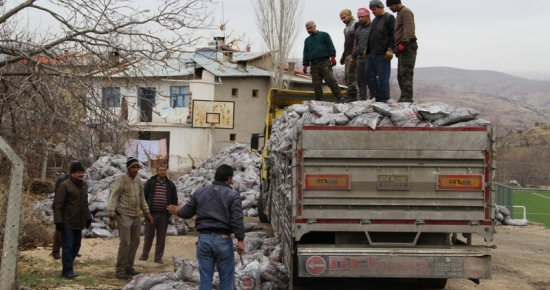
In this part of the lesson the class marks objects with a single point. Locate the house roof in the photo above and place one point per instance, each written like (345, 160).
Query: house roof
(172, 66)
(228, 69)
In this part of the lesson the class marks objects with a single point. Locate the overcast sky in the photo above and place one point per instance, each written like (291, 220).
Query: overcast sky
(500, 35)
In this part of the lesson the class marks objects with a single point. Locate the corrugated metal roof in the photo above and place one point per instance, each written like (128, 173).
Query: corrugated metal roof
(228, 69)
(245, 56)
(172, 66)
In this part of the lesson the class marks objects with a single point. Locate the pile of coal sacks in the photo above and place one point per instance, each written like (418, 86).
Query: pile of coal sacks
(259, 268)
(504, 217)
(360, 113)
(246, 178)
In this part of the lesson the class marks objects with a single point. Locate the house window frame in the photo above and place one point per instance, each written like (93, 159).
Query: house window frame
(109, 99)
(255, 93)
(234, 92)
(180, 93)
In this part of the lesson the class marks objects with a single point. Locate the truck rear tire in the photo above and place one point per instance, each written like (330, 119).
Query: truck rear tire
(426, 283)
(263, 204)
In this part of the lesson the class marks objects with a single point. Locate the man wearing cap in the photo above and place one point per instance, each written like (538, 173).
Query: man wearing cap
(320, 54)
(159, 193)
(125, 202)
(219, 213)
(349, 70)
(380, 50)
(406, 48)
(71, 215)
(56, 247)
(359, 55)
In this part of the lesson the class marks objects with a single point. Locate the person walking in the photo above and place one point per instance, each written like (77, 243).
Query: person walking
(56, 247)
(380, 50)
(359, 56)
(219, 213)
(406, 48)
(71, 215)
(159, 193)
(349, 38)
(126, 201)
(320, 54)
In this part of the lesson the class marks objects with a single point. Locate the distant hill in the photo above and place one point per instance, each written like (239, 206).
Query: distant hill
(509, 101)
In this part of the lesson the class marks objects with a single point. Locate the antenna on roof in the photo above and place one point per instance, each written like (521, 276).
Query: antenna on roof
(222, 27)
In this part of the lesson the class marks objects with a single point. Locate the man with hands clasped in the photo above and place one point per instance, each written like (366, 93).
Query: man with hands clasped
(219, 213)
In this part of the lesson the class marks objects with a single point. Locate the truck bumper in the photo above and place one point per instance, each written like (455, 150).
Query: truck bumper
(472, 262)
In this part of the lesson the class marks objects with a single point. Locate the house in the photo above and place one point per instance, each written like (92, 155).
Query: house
(226, 88)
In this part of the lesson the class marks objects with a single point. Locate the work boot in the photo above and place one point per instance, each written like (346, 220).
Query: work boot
(70, 276)
(340, 100)
(78, 255)
(143, 258)
(132, 272)
(123, 276)
(352, 98)
(159, 261)
(56, 256)
(405, 100)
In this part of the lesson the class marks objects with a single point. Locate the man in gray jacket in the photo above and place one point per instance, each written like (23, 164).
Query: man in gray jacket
(219, 213)
(359, 55)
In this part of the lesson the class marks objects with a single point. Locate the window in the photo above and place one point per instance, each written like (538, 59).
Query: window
(147, 95)
(110, 97)
(234, 93)
(232, 137)
(179, 96)
(254, 93)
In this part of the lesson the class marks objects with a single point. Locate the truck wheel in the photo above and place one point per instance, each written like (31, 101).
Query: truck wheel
(262, 200)
(432, 283)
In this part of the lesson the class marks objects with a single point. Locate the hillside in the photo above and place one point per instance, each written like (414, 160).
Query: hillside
(510, 102)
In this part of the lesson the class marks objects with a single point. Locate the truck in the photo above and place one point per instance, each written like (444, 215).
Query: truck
(394, 202)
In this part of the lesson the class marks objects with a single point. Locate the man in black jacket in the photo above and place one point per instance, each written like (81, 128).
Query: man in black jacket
(160, 192)
(71, 215)
(219, 213)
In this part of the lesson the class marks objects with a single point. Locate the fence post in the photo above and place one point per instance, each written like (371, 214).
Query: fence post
(10, 251)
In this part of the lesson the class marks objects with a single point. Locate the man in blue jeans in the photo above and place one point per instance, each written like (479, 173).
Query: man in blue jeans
(380, 51)
(219, 213)
(71, 214)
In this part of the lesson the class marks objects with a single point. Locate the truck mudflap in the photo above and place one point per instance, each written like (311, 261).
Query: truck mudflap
(419, 262)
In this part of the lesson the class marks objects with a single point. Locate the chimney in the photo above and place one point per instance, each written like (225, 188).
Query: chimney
(220, 42)
(291, 66)
(228, 56)
(241, 65)
(248, 48)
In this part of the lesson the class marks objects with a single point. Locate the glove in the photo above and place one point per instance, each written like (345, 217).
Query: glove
(141, 213)
(333, 60)
(305, 69)
(112, 216)
(59, 226)
(88, 223)
(351, 62)
(112, 224)
(389, 55)
(176, 217)
(342, 60)
(400, 47)
(365, 54)
(149, 218)
(240, 247)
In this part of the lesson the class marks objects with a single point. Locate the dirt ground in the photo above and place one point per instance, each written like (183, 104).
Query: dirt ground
(521, 261)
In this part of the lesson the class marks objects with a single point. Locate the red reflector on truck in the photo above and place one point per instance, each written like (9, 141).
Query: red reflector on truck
(327, 181)
(460, 182)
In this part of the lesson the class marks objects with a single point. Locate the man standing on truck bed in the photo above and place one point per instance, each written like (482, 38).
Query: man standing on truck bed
(359, 56)
(380, 50)
(219, 213)
(319, 52)
(406, 48)
(350, 74)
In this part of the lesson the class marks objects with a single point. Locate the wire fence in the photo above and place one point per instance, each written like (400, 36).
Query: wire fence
(10, 220)
(535, 175)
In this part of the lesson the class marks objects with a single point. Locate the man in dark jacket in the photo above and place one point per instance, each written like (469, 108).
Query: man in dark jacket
(219, 213)
(160, 192)
(380, 50)
(319, 52)
(359, 55)
(349, 69)
(71, 215)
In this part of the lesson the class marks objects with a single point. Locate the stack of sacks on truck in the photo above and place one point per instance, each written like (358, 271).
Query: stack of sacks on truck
(361, 113)
(100, 178)
(246, 177)
(260, 268)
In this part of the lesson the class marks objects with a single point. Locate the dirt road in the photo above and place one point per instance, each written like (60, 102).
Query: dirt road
(521, 261)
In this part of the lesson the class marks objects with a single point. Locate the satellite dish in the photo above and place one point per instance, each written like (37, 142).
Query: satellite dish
(165, 111)
(179, 115)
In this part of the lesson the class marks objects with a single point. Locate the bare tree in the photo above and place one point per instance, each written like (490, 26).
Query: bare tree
(279, 22)
(46, 87)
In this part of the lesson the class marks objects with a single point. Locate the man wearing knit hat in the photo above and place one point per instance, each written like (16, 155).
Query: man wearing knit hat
(319, 52)
(126, 200)
(71, 215)
(380, 50)
(349, 38)
(359, 56)
(406, 48)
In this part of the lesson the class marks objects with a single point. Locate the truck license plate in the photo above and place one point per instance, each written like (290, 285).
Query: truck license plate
(327, 181)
